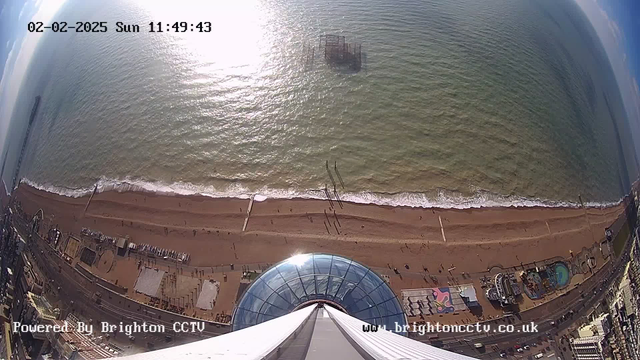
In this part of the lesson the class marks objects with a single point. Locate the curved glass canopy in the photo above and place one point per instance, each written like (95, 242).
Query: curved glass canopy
(315, 278)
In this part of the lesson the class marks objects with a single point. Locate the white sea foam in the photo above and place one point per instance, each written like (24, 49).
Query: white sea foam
(443, 199)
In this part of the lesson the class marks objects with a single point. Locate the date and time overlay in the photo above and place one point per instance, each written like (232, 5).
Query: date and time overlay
(104, 26)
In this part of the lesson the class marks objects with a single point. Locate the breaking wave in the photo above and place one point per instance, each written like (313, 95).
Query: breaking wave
(441, 199)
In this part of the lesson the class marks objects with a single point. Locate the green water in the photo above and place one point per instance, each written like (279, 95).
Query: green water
(459, 102)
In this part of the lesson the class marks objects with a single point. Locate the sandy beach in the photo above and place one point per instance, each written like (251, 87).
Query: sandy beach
(416, 241)
(211, 229)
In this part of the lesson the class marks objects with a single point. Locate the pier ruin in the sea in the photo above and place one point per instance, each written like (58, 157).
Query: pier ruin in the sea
(337, 52)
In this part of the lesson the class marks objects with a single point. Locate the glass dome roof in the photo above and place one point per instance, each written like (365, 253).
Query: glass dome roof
(319, 277)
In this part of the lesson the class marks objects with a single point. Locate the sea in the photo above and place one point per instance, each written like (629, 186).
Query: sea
(460, 103)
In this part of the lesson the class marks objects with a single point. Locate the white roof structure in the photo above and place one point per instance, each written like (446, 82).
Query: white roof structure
(311, 333)
(208, 294)
(149, 280)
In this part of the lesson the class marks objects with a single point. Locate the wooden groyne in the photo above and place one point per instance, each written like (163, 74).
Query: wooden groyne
(246, 219)
(95, 189)
(326, 192)
(335, 167)
(32, 117)
(335, 187)
(335, 193)
(330, 176)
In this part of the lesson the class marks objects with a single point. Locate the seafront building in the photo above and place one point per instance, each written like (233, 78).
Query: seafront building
(623, 308)
(333, 306)
(613, 334)
(634, 295)
(601, 325)
(37, 310)
(23, 302)
(5, 339)
(72, 344)
(591, 343)
(588, 348)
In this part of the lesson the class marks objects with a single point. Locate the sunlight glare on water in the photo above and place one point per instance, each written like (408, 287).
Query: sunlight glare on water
(465, 103)
(239, 52)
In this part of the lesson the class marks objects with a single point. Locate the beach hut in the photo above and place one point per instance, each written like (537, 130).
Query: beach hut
(121, 245)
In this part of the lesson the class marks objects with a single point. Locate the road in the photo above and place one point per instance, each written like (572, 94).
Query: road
(116, 308)
(593, 288)
(77, 291)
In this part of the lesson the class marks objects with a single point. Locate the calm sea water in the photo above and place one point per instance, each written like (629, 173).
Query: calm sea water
(460, 102)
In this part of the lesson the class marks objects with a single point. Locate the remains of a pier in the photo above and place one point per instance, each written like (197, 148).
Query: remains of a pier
(337, 52)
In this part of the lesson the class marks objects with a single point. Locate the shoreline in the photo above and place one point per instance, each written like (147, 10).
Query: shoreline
(372, 234)
(443, 199)
(478, 241)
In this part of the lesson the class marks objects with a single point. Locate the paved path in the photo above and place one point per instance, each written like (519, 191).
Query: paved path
(113, 304)
(77, 291)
